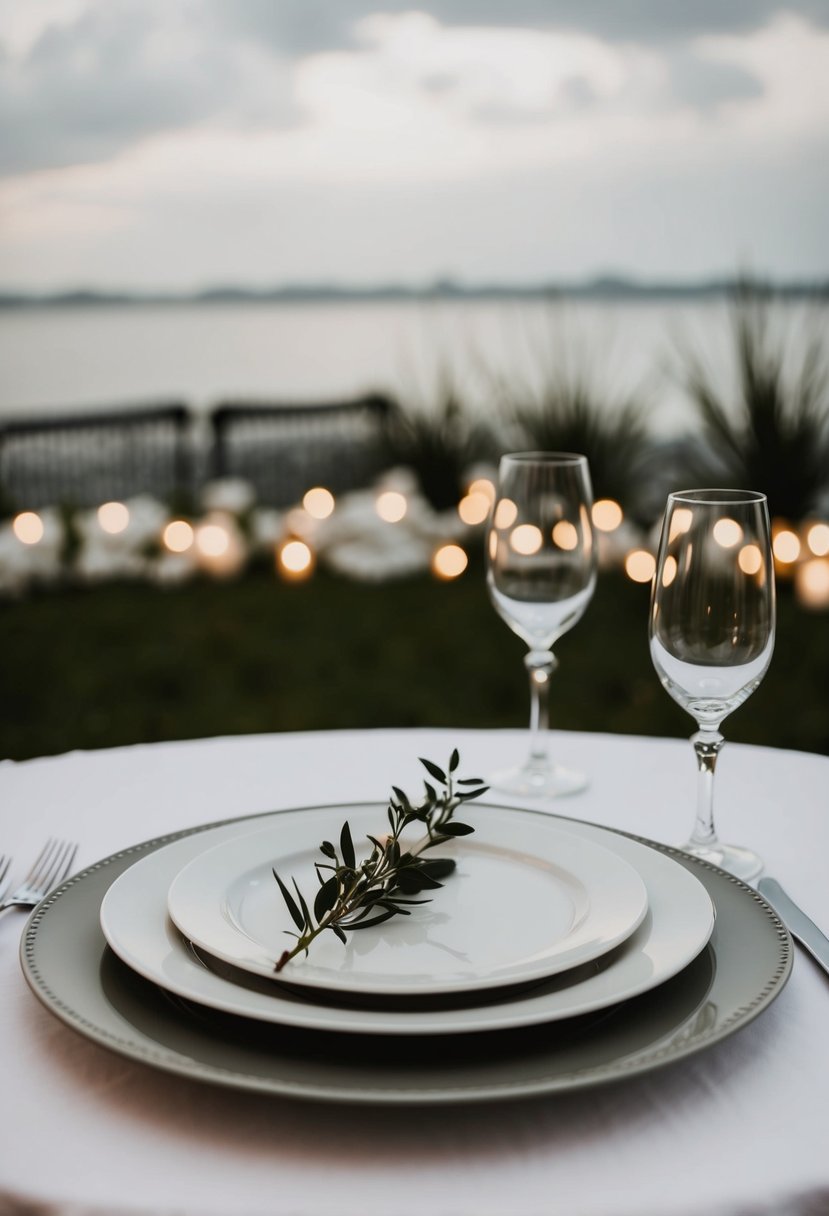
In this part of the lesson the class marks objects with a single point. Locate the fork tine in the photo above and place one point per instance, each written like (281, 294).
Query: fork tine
(40, 863)
(68, 861)
(61, 864)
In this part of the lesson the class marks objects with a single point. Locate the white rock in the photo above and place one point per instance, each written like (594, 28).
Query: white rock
(232, 494)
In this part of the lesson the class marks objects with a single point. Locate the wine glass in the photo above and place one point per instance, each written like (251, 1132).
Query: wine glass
(712, 631)
(541, 571)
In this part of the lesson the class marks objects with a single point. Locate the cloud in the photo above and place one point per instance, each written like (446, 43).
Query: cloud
(122, 70)
(706, 84)
(97, 76)
(320, 25)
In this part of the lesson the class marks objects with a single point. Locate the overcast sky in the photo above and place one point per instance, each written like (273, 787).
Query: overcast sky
(184, 143)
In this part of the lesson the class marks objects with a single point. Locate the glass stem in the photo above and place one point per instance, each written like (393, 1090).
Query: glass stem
(708, 743)
(540, 665)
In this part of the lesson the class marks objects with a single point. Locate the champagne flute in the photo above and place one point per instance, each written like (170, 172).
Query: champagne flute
(541, 571)
(712, 631)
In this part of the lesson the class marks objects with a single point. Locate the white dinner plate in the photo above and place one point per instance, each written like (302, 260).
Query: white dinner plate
(527, 900)
(676, 928)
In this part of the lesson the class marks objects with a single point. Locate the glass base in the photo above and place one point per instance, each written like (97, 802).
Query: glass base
(538, 781)
(740, 862)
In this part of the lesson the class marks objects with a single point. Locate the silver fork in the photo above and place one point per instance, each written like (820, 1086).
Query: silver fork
(5, 862)
(50, 867)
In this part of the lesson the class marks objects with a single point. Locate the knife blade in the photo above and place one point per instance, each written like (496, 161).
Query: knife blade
(796, 921)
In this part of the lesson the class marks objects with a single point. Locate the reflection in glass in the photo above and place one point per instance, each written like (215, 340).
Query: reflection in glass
(712, 630)
(541, 571)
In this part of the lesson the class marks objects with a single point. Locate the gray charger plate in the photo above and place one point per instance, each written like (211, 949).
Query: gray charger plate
(70, 968)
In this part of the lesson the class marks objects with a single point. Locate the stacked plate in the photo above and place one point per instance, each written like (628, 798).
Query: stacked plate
(559, 954)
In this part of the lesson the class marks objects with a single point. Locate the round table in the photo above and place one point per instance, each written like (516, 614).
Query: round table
(738, 1128)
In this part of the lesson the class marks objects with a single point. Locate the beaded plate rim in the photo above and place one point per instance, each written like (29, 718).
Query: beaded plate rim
(179, 1064)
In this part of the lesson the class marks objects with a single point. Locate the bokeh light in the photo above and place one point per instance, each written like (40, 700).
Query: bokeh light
(817, 538)
(178, 536)
(482, 485)
(669, 571)
(786, 546)
(28, 527)
(681, 521)
(449, 561)
(474, 507)
(391, 506)
(526, 539)
(607, 515)
(565, 535)
(318, 502)
(212, 540)
(750, 559)
(812, 583)
(295, 560)
(113, 517)
(727, 533)
(640, 566)
(506, 513)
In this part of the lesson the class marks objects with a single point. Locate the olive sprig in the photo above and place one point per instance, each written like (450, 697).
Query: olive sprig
(356, 894)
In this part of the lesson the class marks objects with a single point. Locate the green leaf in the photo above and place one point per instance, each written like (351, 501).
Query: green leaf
(402, 798)
(431, 792)
(433, 770)
(336, 929)
(414, 880)
(296, 915)
(457, 829)
(454, 760)
(328, 849)
(438, 867)
(470, 780)
(326, 898)
(303, 906)
(347, 846)
(468, 795)
(375, 920)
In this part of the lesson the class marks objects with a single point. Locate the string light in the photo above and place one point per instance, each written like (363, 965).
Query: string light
(565, 535)
(295, 560)
(669, 571)
(318, 502)
(607, 515)
(681, 521)
(28, 527)
(474, 507)
(391, 506)
(786, 546)
(727, 533)
(811, 582)
(750, 559)
(506, 513)
(178, 536)
(640, 566)
(212, 540)
(482, 485)
(113, 517)
(526, 539)
(449, 561)
(817, 539)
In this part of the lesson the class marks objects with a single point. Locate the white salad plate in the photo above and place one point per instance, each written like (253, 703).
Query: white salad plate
(526, 901)
(676, 928)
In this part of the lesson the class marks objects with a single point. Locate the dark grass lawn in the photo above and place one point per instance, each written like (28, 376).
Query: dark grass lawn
(126, 663)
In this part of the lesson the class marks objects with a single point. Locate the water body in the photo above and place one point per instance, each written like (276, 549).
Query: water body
(68, 359)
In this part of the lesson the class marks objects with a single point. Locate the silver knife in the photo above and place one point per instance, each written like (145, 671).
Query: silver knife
(796, 921)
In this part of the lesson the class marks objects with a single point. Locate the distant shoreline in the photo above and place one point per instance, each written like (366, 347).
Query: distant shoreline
(599, 289)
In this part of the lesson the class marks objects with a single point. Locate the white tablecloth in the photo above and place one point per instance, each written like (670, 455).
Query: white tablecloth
(742, 1128)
